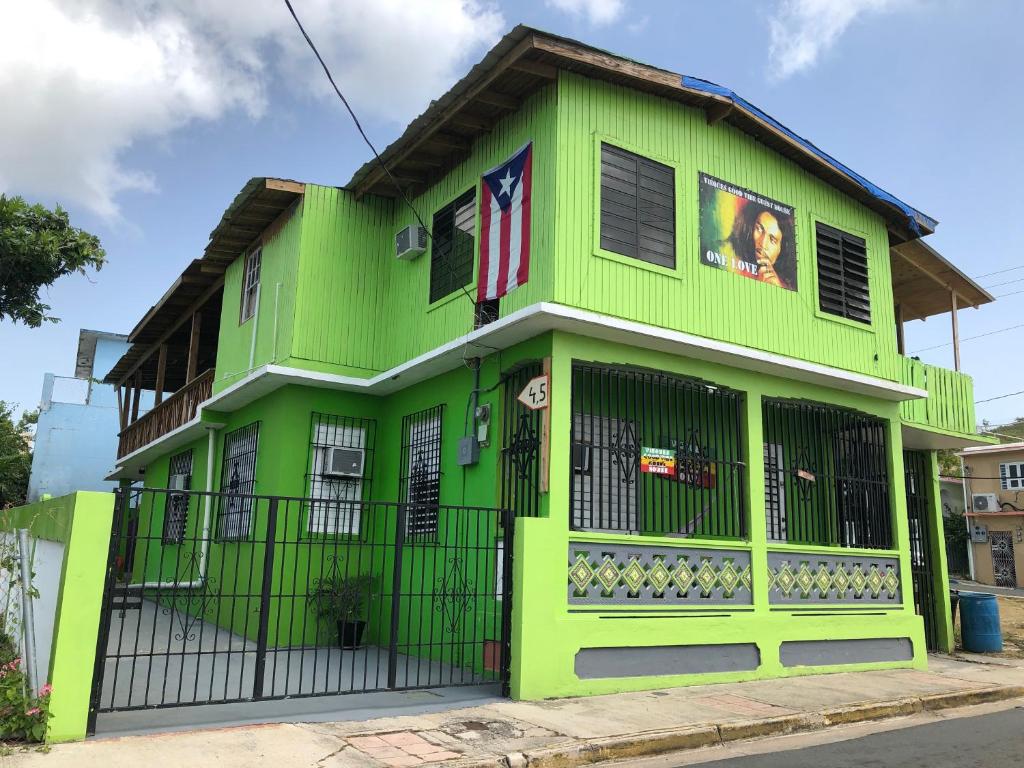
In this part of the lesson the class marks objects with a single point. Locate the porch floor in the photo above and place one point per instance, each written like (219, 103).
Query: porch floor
(163, 657)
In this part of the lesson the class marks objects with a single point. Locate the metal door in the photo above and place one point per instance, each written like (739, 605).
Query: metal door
(1003, 566)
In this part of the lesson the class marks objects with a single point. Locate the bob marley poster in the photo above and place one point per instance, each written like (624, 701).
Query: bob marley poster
(746, 233)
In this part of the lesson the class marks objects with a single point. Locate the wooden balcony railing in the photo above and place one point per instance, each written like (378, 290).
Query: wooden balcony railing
(178, 409)
(950, 402)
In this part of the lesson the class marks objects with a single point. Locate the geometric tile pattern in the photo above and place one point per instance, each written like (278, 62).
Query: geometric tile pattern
(803, 578)
(603, 574)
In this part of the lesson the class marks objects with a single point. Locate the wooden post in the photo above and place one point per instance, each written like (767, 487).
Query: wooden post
(545, 434)
(121, 413)
(161, 370)
(137, 395)
(900, 344)
(956, 334)
(193, 346)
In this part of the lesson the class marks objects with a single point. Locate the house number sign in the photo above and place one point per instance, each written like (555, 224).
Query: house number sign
(535, 394)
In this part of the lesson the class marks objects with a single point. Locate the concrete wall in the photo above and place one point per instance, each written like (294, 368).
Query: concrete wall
(76, 437)
(1010, 523)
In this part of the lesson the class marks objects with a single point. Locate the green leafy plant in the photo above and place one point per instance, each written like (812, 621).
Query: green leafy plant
(23, 713)
(341, 598)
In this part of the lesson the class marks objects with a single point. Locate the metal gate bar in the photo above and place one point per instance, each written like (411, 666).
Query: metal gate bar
(916, 468)
(259, 613)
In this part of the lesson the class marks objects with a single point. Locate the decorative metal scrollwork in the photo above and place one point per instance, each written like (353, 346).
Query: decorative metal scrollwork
(626, 452)
(524, 446)
(455, 594)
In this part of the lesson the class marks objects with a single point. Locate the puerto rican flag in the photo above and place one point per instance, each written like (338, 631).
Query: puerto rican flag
(505, 226)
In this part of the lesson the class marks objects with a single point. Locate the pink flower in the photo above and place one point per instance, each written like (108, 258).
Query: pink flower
(45, 690)
(33, 711)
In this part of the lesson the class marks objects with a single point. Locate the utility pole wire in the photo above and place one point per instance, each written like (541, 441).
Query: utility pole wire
(1000, 397)
(998, 272)
(971, 338)
(366, 138)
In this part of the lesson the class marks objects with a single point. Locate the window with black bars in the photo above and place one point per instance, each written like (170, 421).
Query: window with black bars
(452, 246)
(339, 469)
(638, 207)
(179, 481)
(842, 274)
(655, 454)
(420, 479)
(826, 476)
(238, 476)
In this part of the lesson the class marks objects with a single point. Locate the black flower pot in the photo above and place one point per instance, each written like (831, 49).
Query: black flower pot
(350, 632)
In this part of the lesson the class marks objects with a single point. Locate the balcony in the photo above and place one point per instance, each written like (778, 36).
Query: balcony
(178, 409)
(950, 402)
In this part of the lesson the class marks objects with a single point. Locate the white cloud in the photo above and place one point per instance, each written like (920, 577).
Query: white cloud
(596, 11)
(83, 81)
(802, 30)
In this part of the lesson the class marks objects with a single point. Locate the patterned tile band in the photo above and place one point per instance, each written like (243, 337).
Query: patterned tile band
(809, 579)
(628, 574)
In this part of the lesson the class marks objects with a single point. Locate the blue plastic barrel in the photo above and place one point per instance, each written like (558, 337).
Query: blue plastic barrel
(979, 623)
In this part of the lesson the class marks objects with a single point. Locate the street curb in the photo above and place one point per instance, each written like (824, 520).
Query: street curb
(646, 744)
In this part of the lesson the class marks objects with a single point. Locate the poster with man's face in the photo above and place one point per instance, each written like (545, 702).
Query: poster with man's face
(746, 233)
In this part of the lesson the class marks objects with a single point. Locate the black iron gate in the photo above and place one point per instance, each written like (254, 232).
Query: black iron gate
(1003, 563)
(298, 597)
(520, 446)
(916, 468)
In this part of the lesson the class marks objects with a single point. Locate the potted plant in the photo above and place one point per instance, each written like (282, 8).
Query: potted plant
(340, 599)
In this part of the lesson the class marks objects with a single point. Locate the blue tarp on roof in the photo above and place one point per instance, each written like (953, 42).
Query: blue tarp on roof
(915, 219)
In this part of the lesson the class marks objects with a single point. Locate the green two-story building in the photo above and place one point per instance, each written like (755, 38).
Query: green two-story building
(683, 445)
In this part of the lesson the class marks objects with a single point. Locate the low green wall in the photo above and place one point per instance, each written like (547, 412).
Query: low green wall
(81, 522)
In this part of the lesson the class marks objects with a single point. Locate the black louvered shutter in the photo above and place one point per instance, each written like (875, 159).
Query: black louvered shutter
(637, 207)
(842, 274)
(452, 246)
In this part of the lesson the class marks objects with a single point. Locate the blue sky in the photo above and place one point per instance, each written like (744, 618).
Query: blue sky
(149, 132)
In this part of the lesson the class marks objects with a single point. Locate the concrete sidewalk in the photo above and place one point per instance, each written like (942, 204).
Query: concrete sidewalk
(563, 732)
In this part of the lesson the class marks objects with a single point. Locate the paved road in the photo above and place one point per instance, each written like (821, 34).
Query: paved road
(973, 586)
(988, 741)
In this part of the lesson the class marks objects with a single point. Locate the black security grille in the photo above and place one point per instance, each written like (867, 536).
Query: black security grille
(335, 492)
(826, 476)
(452, 246)
(627, 426)
(176, 509)
(842, 274)
(637, 207)
(419, 483)
(520, 446)
(211, 622)
(917, 471)
(237, 482)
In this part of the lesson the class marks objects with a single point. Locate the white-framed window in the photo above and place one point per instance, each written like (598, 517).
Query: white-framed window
(340, 466)
(250, 284)
(1011, 475)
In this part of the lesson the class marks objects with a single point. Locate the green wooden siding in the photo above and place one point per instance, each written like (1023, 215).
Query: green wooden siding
(695, 298)
(950, 402)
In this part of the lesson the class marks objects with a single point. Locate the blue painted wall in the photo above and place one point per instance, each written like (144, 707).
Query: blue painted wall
(76, 437)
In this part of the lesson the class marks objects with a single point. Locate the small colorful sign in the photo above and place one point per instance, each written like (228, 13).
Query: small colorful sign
(535, 394)
(699, 475)
(658, 461)
(807, 475)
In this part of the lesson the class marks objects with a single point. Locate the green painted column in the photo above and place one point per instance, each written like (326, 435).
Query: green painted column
(937, 557)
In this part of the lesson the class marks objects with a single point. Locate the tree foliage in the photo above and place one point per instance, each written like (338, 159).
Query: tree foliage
(38, 246)
(15, 455)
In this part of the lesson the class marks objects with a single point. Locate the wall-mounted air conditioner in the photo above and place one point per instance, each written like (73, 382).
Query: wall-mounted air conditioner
(985, 502)
(410, 242)
(344, 462)
(178, 482)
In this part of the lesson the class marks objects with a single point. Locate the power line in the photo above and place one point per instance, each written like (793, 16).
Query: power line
(971, 338)
(1000, 397)
(998, 272)
(1007, 282)
(1004, 295)
(366, 138)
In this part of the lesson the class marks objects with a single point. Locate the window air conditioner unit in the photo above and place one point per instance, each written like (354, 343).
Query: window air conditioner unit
(985, 502)
(410, 242)
(178, 482)
(344, 462)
